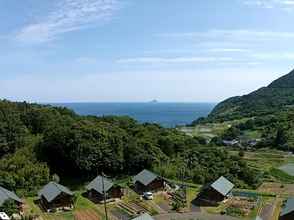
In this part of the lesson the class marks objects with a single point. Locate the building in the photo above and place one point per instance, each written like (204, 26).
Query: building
(147, 181)
(231, 143)
(287, 212)
(54, 196)
(6, 195)
(95, 189)
(145, 216)
(216, 192)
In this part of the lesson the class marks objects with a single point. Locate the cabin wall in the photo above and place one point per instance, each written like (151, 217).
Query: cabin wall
(113, 193)
(154, 186)
(290, 216)
(60, 201)
(210, 195)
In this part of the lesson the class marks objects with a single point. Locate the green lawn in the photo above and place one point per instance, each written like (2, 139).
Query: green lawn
(80, 204)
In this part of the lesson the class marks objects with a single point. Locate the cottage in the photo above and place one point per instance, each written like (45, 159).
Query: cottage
(288, 210)
(6, 195)
(147, 181)
(145, 216)
(95, 189)
(216, 192)
(54, 196)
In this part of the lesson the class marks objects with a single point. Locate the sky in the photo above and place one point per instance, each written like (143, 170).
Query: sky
(137, 51)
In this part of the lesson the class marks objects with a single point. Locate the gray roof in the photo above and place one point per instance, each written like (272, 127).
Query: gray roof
(52, 190)
(7, 195)
(96, 184)
(288, 208)
(145, 177)
(145, 216)
(222, 185)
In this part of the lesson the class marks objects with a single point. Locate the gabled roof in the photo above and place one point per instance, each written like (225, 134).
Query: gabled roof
(145, 177)
(52, 190)
(6, 195)
(222, 185)
(96, 185)
(288, 208)
(145, 216)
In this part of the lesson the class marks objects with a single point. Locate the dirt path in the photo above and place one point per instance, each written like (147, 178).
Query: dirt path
(192, 215)
(267, 211)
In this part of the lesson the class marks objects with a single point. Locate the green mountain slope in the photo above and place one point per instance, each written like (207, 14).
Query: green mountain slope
(279, 95)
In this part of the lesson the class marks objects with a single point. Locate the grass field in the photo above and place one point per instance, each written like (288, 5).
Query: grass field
(211, 130)
(81, 205)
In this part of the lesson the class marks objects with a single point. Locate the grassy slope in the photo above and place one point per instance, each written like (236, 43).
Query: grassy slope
(81, 204)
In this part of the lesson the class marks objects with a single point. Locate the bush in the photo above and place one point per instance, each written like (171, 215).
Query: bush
(9, 207)
(236, 212)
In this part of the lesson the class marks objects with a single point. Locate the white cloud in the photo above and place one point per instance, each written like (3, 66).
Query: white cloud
(274, 56)
(228, 50)
(234, 34)
(163, 60)
(270, 4)
(68, 16)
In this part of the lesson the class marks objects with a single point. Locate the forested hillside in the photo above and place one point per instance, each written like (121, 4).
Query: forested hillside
(279, 95)
(266, 115)
(37, 141)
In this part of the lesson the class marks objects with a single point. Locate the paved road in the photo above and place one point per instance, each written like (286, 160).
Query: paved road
(192, 215)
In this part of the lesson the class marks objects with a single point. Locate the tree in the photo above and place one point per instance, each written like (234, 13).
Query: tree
(281, 137)
(9, 207)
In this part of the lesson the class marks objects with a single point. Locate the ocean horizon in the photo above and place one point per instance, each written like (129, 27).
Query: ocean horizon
(167, 114)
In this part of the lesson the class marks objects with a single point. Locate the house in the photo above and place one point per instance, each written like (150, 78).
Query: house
(147, 181)
(287, 212)
(4, 216)
(95, 189)
(6, 195)
(54, 196)
(216, 192)
(145, 216)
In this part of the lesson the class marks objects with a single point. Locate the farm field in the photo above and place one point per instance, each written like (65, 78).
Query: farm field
(210, 130)
(277, 188)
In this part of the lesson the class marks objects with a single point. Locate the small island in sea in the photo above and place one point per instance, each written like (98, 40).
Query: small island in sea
(154, 101)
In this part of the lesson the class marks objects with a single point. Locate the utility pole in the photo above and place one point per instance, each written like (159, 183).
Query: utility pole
(104, 196)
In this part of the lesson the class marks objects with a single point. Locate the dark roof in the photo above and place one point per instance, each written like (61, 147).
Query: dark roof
(222, 185)
(52, 190)
(145, 216)
(145, 177)
(6, 195)
(96, 184)
(288, 208)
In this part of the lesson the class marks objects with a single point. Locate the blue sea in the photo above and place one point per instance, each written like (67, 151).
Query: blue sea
(165, 114)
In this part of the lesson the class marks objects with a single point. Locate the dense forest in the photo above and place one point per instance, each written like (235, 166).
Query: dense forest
(38, 141)
(279, 95)
(267, 113)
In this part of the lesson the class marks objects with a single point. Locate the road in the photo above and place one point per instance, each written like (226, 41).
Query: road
(192, 215)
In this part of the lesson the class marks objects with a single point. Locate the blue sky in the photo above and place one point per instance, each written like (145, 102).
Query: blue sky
(130, 50)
